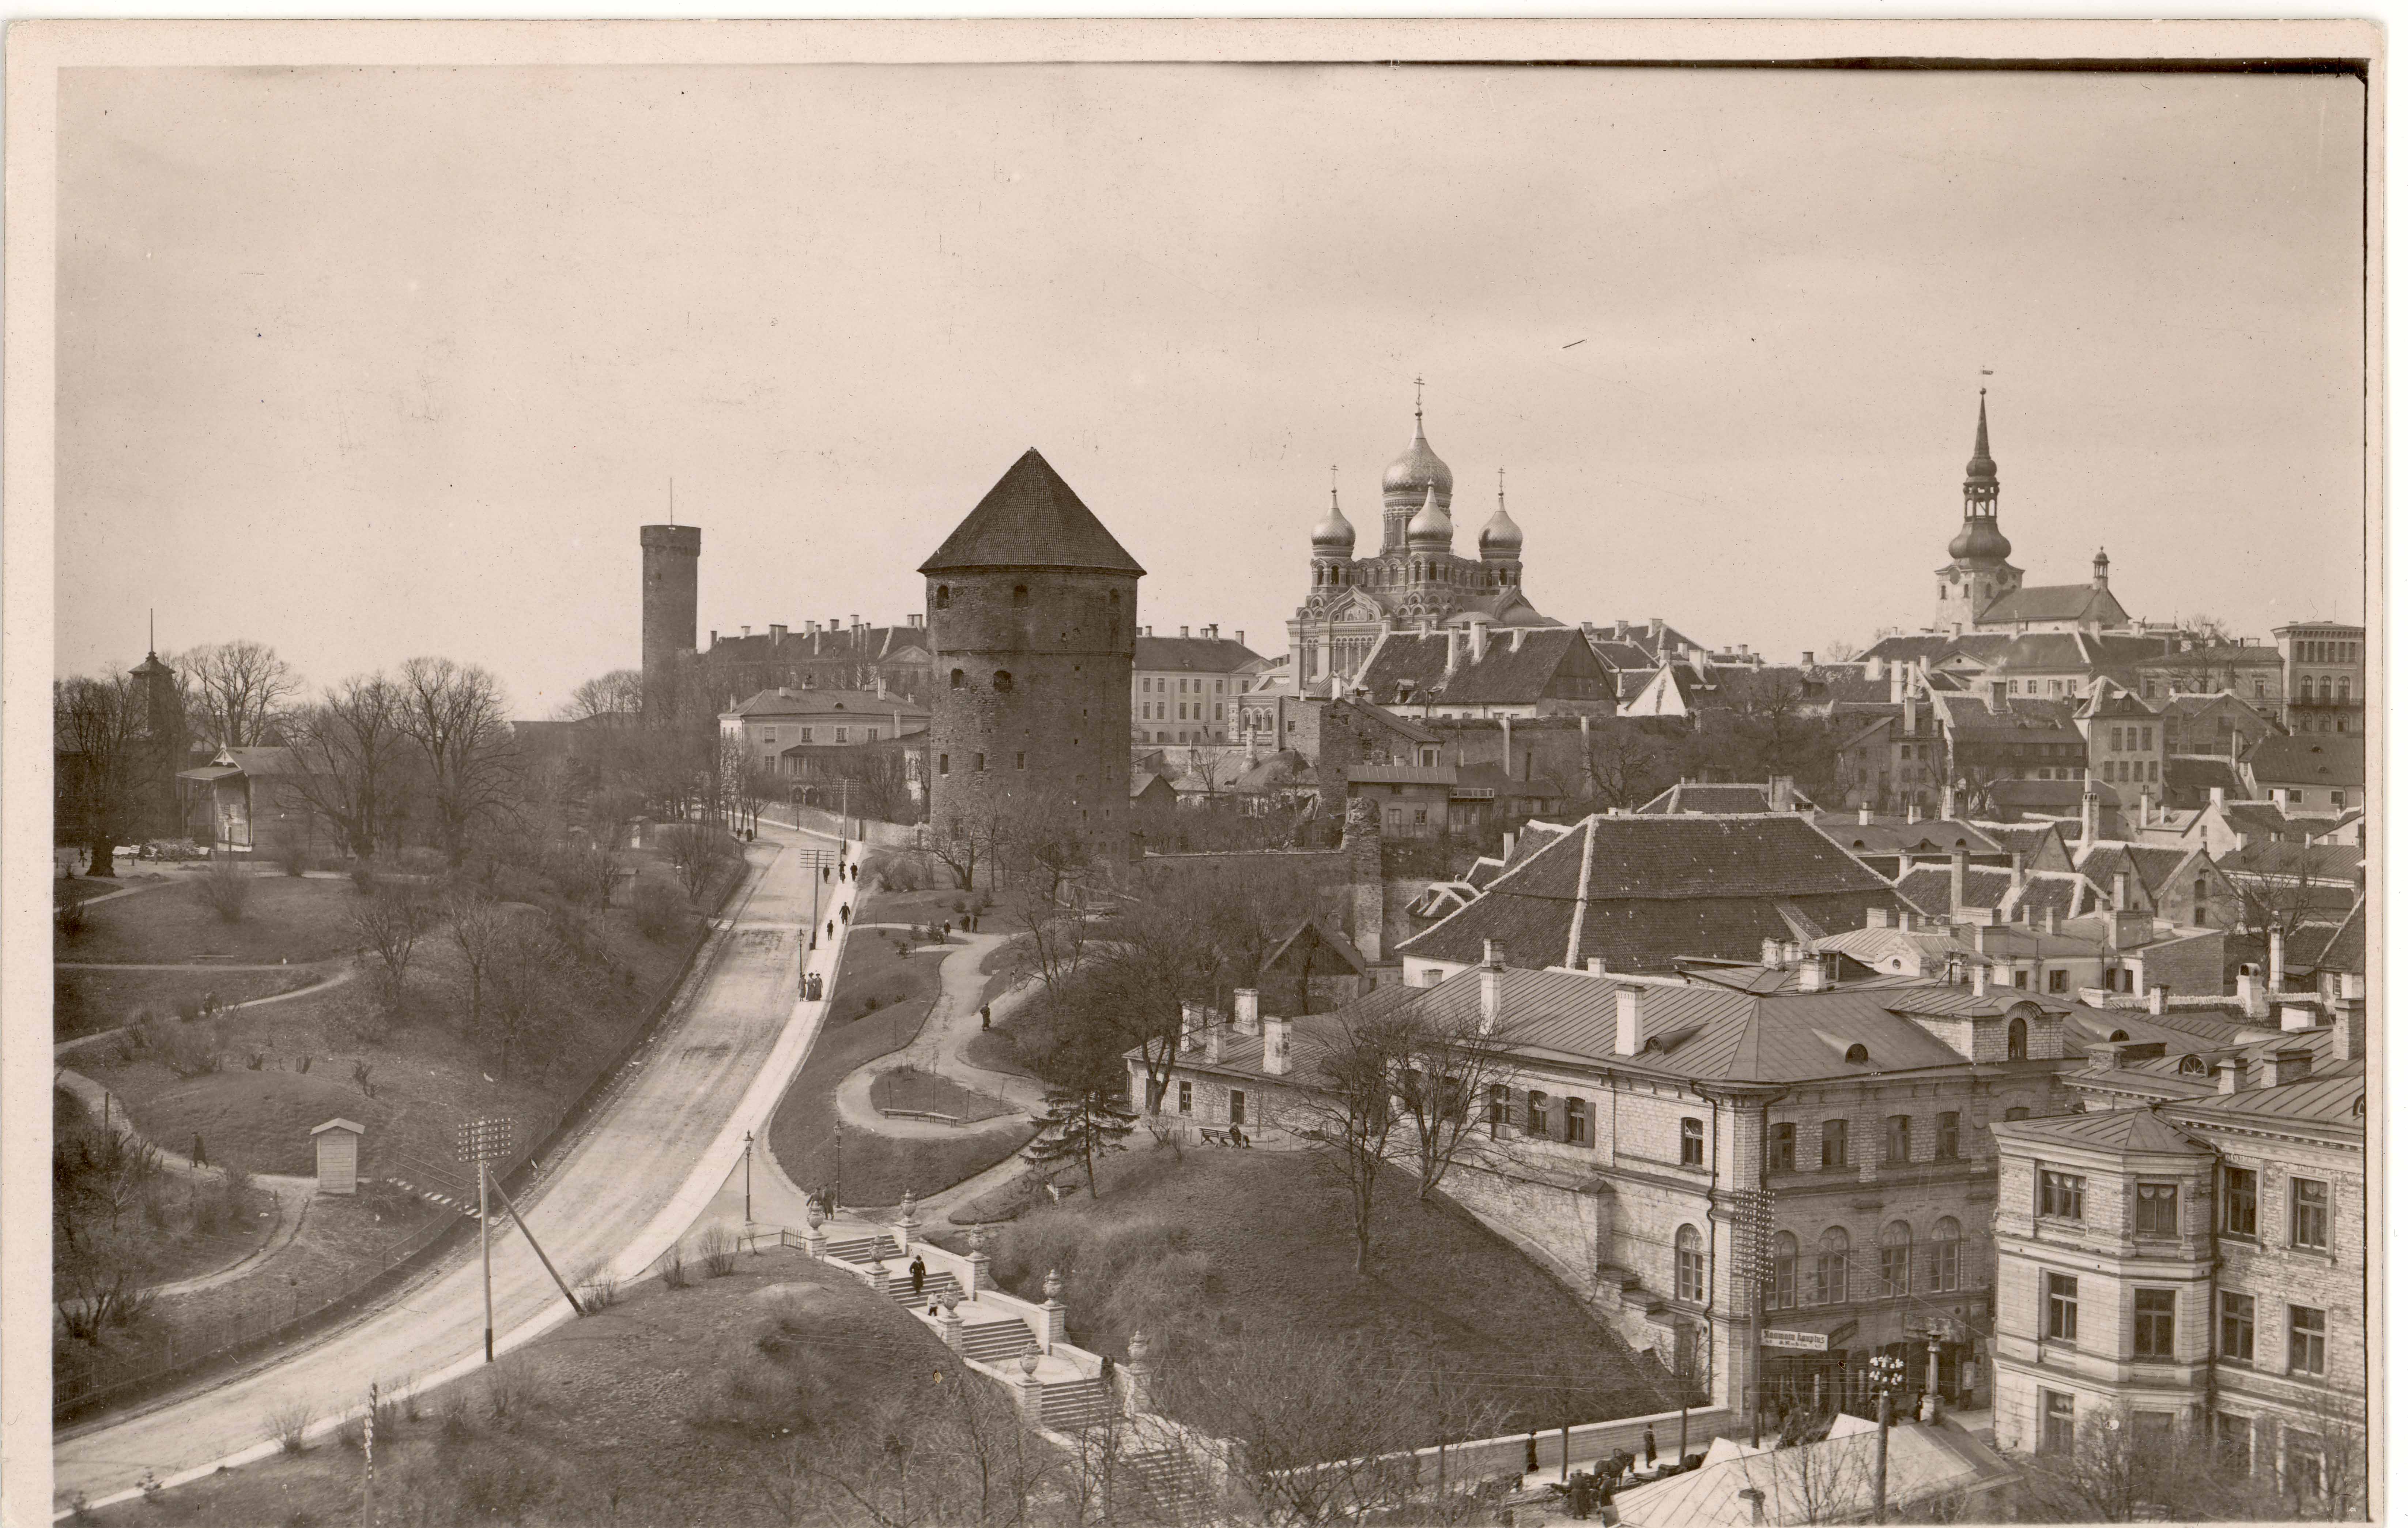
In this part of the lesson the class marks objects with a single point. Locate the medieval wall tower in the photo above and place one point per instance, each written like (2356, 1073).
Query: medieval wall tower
(1032, 619)
(672, 558)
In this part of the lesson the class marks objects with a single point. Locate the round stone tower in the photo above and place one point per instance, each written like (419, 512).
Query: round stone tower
(1032, 619)
(672, 558)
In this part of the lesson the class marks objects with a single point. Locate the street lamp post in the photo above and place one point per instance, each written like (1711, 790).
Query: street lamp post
(1886, 1372)
(747, 1177)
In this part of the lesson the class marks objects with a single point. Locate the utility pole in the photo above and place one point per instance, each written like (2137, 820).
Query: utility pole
(1884, 1372)
(747, 1187)
(480, 1141)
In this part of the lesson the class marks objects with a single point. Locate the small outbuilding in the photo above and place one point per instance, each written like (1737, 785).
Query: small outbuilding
(338, 1156)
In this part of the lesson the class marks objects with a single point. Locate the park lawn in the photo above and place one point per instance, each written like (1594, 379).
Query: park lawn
(1208, 1244)
(343, 1241)
(624, 1420)
(883, 968)
(998, 1050)
(88, 1002)
(925, 1092)
(289, 918)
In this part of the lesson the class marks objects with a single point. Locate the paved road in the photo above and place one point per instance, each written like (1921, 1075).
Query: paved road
(636, 1182)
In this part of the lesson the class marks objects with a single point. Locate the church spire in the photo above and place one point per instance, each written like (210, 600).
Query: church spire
(1979, 539)
(1981, 466)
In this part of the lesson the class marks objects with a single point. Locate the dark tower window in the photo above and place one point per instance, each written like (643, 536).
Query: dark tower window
(942, 599)
(1019, 594)
(1116, 597)
(1003, 681)
(957, 679)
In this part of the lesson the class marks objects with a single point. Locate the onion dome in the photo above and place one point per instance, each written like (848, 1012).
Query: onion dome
(1334, 536)
(1981, 539)
(1430, 528)
(1418, 471)
(1500, 540)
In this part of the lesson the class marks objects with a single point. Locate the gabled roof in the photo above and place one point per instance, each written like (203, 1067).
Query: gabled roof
(1191, 655)
(2047, 798)
(1936, 645)
(2016, 717)
(1928, 886)
(1643, 891)
(2337, 1099)
(1896, 835)
(2082, 602)
(2311, 758)
(2029, 839)
(2345, 951)
(1699, 796)
(866, 704)
(1411, 665)
(1330, 939)
(2201, 773)
(1031, 519)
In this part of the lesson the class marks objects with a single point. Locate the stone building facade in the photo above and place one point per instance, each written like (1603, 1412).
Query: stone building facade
(1032, 621)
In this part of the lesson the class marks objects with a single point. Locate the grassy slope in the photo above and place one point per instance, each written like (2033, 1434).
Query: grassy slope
(85, 1002)
(1231, 1242)
(623, 1400)
(286, 920)
(927, 1092)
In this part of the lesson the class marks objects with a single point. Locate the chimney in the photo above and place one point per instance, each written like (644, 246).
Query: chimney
(1190, 1027)
(2089, 816)
(2122, 884)
(1783, 796)
(1492, 984)
(1864, 816)
(1478, 636)
(2014, 872)
(785, 693)
(2053, 914)
(1791, 952)
(2290, 1066)
(1625, 1022)
(1805, 660)
(2349, 1023)
(1770, 955)
(1948, 803)
(1909, 710)
(2296, 1017)
(1515, 637)
(1596, 965)
(715, 638)
(1956, 883)
(1241, 635)
(1815, 973)
(2275, 974)
(919, 619)
(747, 630)
(1897, 682)
(1453, 650)
(1182, 631)
(1214, 1036)
(2228, 1074)
(777, 635)
(1981, 978)
(1876, 918)
(1655, 629)
(2158, 997)
(1873, 670)
(1913, 812)
(1212, 632)
(1275, 1043)
(1249, 1005)
(2250, 991)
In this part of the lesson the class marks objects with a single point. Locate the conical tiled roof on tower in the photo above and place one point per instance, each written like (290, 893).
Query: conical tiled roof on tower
(1981, 466)
(1031, 519)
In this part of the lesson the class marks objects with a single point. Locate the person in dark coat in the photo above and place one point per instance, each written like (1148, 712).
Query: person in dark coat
(1650, 1445)
(200, 1156)
(919, 1275)
(986, 1014)
(1530, 1454)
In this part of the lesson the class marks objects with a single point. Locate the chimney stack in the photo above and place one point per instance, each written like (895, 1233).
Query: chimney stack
(2228, 1074)
(1492, 984)
(1876, 918)
(1249, 1005)
(1214, 1034)
(1190, 1027)
(2158, 997)
(2089, 815)
(1948, 803)
(1815, 973)
(1626, 1022)
(1182, 631)
(1783, 793)
(1897, 682)
(1242, 637)
(1596, 965)
(1981, 978)
(1275, 1045)
(2296, 1017)
(1864, 816)
(2250, 992)
(1913, 813)
(1770, 957)
(1956, 883)
(1453, 650)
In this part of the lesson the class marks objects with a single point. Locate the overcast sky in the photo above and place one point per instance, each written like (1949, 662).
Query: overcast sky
(367, 364)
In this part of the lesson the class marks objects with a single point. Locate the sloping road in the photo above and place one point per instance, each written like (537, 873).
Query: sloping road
(643, 1171)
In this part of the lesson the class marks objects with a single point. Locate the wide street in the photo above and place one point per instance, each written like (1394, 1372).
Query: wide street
(645, 1168)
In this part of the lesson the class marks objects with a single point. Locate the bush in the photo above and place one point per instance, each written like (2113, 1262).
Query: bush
(674, 1273)
(458, 1418)
(716, 1246)
(188, 1050)
(658, 908)
(898, 869)
(288, 1425)
(509, 1389)
(293, 854)
(225, 887)
(364, 878)
(598, 1290)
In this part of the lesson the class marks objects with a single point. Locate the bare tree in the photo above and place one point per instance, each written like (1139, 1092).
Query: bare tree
(353, 771)
(455, 715)
(239, 691)
(388, 922)
(698, 851)
(615, 699)
(964, 838)
(99, 731)
(478, 924)
(2116, 1472)
(1621, 766)
(1350, 1104)
(1448, 1070)
(2282, 888)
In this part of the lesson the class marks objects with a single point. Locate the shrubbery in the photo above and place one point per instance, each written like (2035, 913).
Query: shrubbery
(225, 887)
(658, 908)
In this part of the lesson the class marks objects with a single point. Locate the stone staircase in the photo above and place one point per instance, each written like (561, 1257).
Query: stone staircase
(1077, 1403)
(1171, 1483)
(997, 1341)
(865, 1248)
(932, 1291)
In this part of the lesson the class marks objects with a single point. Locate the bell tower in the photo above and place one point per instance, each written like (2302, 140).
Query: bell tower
(1977, 574)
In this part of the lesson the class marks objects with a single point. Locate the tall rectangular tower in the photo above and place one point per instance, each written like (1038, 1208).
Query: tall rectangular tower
(672, 559)
(1032, 619)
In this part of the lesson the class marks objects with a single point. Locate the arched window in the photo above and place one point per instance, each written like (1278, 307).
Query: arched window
(2191, 1066)
(1499, 1103)
(942, 599)
(1783, 1294)
(957, 679)
(2324, 688)
(2113, 1035)
(1858, 1055)
(1019, 594)
(1689, 1265)
(1897, 1251)
(1003, 681)
(1831, 1268)
(2341, 690)
(2019, 1040)
(2019, 1112)
(1944, 1239)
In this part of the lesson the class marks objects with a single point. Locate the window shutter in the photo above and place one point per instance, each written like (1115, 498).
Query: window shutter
(1555, 1119)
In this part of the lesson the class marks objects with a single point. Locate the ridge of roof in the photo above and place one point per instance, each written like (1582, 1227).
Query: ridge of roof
(1031, 519)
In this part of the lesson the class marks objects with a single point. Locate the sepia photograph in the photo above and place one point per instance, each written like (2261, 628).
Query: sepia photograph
(1044, 775)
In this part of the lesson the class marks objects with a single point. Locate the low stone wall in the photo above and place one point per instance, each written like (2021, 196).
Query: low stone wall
(1579, 1448)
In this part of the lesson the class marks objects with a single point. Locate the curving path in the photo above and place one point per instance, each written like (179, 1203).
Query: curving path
(645, 1168)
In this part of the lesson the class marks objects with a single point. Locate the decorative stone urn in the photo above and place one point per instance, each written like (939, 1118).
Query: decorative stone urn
(1053, 1286)
(1140, 1346)
(1028, 1363)
(951, 1299)
(812, 1215)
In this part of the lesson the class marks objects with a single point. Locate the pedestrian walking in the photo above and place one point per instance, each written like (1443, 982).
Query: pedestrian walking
(986, 1016)
(1530, 1454)
(1650, 1445)
(919, 1275)
(831, 928)
(200, 1155)
(845, 912)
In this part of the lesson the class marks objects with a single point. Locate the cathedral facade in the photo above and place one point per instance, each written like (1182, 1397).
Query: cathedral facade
(1415, 578)
(1982, 592)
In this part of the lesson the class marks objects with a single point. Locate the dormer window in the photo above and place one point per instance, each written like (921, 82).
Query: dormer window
(1858, 1056)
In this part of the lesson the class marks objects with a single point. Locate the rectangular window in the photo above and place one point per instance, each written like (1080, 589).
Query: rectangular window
(2239, 1202)
(1784, 1281)
(2064, 1308)
(2057, 981)
(2238, 1328)
(1943, 1264)
(2303, 1463)
(1835, 1145)
(1690, 1272)
(839, 734)
(1781, 1155)
(2307, 1340)
(2152, 1323)
(1898, 1141)
(2056, 1423)
(2157, 1210)
(1693, 1143)
(1576, 1122)
(2060, 1195)
(978, 761)
(944, 763)
(806, 735)
(1186, 1097)
(2311, 1216)
(1020, 761)
(1534, 1118)
(2233, 1432)
(1237, 1107)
